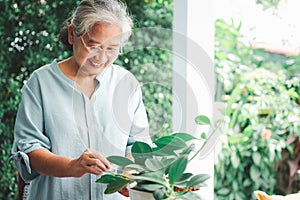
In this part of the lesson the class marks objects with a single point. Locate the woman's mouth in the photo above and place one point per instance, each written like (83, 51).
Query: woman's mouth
(96, 64)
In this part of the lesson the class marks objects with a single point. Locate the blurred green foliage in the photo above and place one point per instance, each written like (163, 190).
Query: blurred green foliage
(269, 4)
(262, 116)
(149, 57)
(29, 39)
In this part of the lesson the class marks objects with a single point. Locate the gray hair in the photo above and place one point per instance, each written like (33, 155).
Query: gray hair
(92, 12)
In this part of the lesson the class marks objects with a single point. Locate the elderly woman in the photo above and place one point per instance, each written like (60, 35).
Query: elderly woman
(77, 111)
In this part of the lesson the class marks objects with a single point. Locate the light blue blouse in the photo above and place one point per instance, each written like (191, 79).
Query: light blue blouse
(54, 115)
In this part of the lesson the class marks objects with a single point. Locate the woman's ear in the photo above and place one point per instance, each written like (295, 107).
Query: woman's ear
(70, 34)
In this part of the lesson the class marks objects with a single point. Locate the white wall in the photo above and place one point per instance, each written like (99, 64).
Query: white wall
(193, 75)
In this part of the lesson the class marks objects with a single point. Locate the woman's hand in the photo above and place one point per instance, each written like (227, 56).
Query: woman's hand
(89, 162)
(45, 162)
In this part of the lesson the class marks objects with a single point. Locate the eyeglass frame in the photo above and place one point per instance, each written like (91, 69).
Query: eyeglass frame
(109, 53)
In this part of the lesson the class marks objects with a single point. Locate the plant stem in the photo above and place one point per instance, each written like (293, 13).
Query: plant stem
(202, 146)
(172, 192)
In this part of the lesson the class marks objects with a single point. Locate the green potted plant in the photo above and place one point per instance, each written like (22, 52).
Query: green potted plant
(159, 171)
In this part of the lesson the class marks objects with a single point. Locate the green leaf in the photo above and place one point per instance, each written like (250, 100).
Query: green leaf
(182, 195)
(256, 158)
(156, 177)
(202, 120)
(238, 138)
(140, 152)
(247, 182)
(223, 191)
(254, 173)
(170, 142)
(116, 186)
(188, 150)
(239, 196)
(154, 164)
(197, 179)
(160, 194)
(203, 136)
(184, 136)
(108, 178)
(235, 185)
(164, 151)
(136, 166)
(177, 169)
(119, 160)
(234, 117)
(235, 160)
(168, 162)
(141, 148)
(183, 178)
(147, 186)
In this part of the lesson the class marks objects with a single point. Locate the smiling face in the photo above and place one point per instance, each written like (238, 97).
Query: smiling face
(97, 50)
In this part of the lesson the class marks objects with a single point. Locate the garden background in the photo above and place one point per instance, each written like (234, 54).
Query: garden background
(260, 144)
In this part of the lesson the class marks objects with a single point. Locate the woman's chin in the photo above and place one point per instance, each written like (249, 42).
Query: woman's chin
(92, 68)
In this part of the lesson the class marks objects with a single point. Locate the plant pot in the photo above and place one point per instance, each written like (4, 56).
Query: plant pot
(140, 195)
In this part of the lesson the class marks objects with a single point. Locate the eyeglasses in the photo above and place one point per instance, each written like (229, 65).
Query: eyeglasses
(110, 52)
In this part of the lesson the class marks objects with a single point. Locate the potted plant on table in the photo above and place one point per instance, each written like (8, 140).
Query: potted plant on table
(159, 171)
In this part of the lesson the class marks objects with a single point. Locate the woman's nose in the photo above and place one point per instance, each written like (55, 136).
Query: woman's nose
(101, 57)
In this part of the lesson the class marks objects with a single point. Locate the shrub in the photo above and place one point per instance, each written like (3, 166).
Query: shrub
(262, 116)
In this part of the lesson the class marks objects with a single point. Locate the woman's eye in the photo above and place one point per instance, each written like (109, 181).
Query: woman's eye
(95, 48)
(112, 49)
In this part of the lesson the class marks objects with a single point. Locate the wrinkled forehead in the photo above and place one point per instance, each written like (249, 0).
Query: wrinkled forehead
(106, 33)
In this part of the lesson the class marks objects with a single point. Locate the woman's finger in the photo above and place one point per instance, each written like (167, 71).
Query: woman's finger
(94, 170)
(100, 157)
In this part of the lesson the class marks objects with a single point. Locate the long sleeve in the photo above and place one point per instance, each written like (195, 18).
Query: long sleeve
(29, 127)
